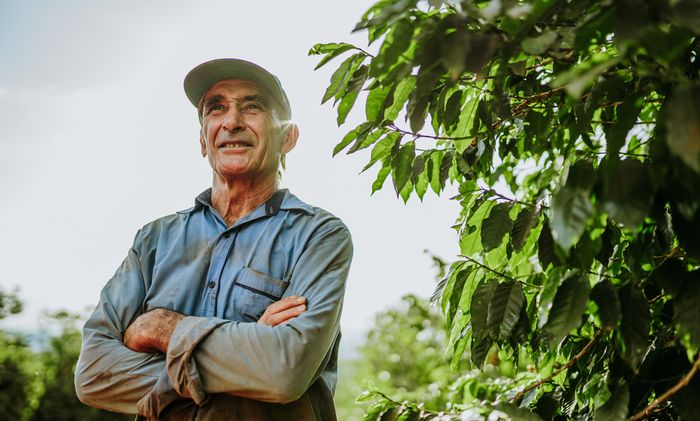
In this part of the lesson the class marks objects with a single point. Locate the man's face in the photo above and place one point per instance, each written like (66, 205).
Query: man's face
(241, 133)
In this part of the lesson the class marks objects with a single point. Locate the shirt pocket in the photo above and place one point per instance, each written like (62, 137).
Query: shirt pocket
(255, 291)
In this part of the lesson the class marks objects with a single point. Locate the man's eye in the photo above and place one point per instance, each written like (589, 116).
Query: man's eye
(254, 107)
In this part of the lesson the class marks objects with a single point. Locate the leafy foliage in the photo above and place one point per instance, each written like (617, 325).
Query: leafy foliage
(37, 385)
(571, 128)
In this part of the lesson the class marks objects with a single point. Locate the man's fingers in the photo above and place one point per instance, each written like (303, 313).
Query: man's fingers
(285, 316)
(279, 307)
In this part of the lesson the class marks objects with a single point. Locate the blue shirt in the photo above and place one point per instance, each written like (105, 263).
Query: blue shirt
(220, 364)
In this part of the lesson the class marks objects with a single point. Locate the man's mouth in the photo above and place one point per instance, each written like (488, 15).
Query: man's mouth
(235, 145)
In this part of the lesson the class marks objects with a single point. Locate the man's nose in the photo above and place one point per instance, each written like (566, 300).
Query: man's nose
(234, 121)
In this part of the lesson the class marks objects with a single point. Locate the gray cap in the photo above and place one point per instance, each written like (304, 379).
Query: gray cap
(201, 78)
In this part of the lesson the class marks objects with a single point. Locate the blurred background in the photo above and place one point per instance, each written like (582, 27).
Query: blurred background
(97, 139)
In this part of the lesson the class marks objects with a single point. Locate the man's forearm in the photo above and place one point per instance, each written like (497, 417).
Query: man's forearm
(151, 332)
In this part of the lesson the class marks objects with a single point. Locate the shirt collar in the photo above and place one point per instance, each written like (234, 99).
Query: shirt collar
(282, 199)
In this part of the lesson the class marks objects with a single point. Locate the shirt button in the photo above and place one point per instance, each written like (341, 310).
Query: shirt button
(227, 235)
(212, 284)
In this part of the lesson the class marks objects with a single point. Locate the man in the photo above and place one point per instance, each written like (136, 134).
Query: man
(228, 310)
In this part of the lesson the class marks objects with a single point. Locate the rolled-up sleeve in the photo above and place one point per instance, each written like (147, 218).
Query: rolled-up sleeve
(271, 364)
(109, 375)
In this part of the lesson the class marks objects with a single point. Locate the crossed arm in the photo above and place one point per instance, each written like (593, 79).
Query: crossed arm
(151, 332)
(202, 356)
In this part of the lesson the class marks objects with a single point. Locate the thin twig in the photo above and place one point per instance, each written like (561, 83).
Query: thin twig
(657, 298)
(668, 256)
(684, 381)
(495, 193)
(564, 367)
(417, 135)
(544, 63)
(613, 122)
(501, 274)
(619, 153)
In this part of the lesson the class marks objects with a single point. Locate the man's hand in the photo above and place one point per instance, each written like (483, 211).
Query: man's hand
(284, 310)
(151, 331)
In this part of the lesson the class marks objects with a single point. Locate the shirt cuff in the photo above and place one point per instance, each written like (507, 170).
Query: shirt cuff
(181, 367)
(153, 405)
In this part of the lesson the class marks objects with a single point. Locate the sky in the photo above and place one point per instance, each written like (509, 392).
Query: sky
(97, 138)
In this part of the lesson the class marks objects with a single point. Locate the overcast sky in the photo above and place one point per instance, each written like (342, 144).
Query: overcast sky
(97, 139)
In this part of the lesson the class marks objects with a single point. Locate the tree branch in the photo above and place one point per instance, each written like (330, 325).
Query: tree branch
(495, 193)
(564, 367)
(684, 381)
(501, 274)
(417, 135)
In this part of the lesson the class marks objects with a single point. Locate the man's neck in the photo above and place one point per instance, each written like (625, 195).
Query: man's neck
(234, 200)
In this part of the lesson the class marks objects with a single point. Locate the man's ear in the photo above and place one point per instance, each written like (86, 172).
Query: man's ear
(290, 140)
(202, 145)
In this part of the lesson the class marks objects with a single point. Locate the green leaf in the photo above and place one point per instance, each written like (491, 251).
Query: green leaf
(445, 167)
(480, 351)
(568, 307)
(403, 89)
(382, 175)
(456, 294)
(497, 225)
(516, 413)
(636, 320)
(630, 195)
(418, 113)
(572, 206)
(479, 309)
(607, 249)
(338, 78)
(402, 165)
(615, 409)
(664, 232)
(454, 103)
(459, 348)
(548, 404)
(331, 50)
(504, 310)
(537, 46)
(383, 148)
(545, 250)
(345, 142)
(687, 310)
(366, 139)
(523, 256)
(440, 289)
(472, 242)
(626, 115)
(398, 40)
(422, 184)
(527, 220)
(522, 328)
(357, 81)
(684, 125)
(436, 159)
(375, 101)
(345, 106)
(466, 120)
(609, 311)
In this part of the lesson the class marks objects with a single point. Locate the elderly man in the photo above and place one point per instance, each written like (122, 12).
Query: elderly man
(228, 310)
